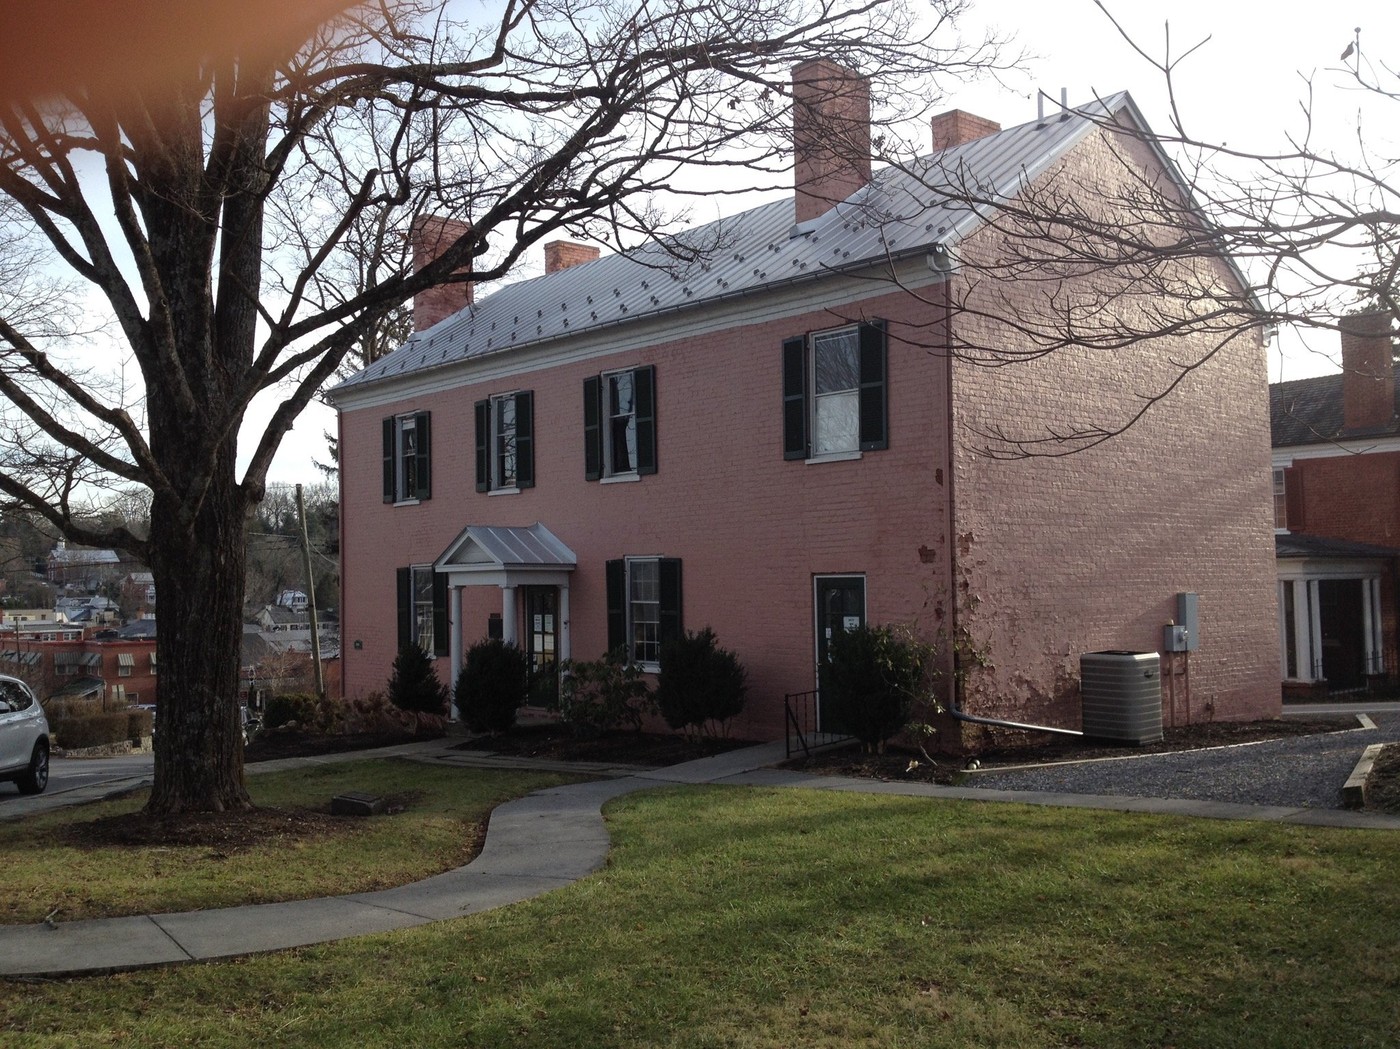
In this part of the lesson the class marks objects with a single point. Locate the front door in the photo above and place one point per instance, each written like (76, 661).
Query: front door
(840, 605)
(541, 644)
(1341, 616)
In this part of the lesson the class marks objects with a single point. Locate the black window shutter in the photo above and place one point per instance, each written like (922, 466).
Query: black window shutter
(592, 428)
(874, 408)
(795, 397)
(669, 613)
(405, 589)
(389, 492)
(441, 627)
(422, 423)
(483, 445)
(525, 439)
(644, 383)
(617, 605)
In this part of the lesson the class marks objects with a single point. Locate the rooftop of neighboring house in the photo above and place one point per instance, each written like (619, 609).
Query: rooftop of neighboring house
(137, 629)
(1312, 547)
(921, 210)
(1360, 401)
(82, 555)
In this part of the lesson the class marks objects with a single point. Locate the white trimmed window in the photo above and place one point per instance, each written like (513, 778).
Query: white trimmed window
(505, 458)
(407, 458)
(834, 393)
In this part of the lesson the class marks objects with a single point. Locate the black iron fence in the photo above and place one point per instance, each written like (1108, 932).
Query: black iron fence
(804, 731)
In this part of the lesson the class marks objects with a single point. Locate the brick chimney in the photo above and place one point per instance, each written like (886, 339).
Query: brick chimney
(561, 254)
(432, 235)
(1368, 372)
(956, 127)
(830, 135)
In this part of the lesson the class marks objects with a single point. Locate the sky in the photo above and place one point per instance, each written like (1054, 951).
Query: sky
(1241, 87)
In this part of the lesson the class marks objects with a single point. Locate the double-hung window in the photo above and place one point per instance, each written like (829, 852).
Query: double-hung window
(407, 458)
(505, 442)
(835, 402)
(619, 424)
(644, 606)
(422, 600)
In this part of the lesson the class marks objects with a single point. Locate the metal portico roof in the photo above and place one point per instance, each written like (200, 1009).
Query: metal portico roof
(901, 212)
(512, 547)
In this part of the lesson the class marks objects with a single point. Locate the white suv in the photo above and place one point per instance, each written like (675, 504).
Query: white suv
(24, 737)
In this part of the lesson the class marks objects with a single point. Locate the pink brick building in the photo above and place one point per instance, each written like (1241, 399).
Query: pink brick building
(1336, 469)
(769, 442)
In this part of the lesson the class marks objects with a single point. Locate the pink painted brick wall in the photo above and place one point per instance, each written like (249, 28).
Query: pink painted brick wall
(1086, 552)
(751, 529)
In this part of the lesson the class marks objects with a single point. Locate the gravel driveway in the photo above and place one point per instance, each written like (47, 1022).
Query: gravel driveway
(1302, 771)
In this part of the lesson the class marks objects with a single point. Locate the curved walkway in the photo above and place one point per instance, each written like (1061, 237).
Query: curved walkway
(534, 844)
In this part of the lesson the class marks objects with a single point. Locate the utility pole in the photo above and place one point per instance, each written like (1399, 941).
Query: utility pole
(311, 599)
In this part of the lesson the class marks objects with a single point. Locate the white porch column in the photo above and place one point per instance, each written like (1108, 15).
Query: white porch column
(508, 614)
(454, 642)
(1375, 644)
(565, 650)
(1283, 590)
(1302, 630)
(1314, 632)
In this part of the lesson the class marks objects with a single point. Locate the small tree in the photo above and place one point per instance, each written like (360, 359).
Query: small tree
(700, 683)
(604, 694)
(414, 686)
(491, 686)
(871, 682)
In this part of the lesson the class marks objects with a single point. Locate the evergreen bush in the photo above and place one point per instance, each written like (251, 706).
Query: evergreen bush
(700, 684)
(414, 685)
(491, 687)
(603, 694)
(873, 677)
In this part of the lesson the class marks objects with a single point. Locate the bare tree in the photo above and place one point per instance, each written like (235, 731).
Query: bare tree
(222, 210)
(1164, 235)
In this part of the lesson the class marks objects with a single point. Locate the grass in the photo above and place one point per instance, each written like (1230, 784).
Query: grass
(437, 831)
(733, 917)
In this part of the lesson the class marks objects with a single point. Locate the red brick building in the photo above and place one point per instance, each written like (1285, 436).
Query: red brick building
(771, 443)
(1336, 471)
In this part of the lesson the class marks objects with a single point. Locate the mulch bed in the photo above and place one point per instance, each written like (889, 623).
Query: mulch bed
(1005, 747)
(556, 742)
(1383, 784)
(297, 743)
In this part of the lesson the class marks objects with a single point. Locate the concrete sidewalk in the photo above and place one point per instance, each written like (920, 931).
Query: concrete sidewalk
(543, 841)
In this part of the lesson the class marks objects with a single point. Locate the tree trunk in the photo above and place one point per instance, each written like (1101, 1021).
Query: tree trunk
(198, 573)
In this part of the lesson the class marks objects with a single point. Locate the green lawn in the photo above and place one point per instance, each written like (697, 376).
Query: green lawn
(43, 873)
(747, 918)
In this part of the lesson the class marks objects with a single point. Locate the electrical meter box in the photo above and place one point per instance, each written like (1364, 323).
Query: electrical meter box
(1175, 638)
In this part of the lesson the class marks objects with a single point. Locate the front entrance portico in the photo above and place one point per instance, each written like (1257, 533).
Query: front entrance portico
(509, 558)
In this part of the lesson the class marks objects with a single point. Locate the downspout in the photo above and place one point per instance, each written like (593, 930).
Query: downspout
(955, 682)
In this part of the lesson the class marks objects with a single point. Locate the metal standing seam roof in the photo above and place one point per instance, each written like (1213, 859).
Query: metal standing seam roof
(513, 547)
(901, 212)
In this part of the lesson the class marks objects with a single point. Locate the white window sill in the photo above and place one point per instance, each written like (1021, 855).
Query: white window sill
(407, 502)
(833, 457)
(504, 491)
(620, 478)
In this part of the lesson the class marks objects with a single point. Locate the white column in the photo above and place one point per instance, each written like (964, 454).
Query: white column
(454, 642)
(565, 650)
(508, 614)
(1283, 628)
(1375, 642)
(1302, 629)
(1314, 631)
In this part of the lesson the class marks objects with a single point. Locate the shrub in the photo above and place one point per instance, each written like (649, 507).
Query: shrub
(491, 686)
(138, 724)
(872, 679)
(95, 729)
(700, 683)
(298, 707)
(604, 694)
(414, 686)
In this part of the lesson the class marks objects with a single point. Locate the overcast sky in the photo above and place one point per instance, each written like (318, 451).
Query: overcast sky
(1242, 87)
